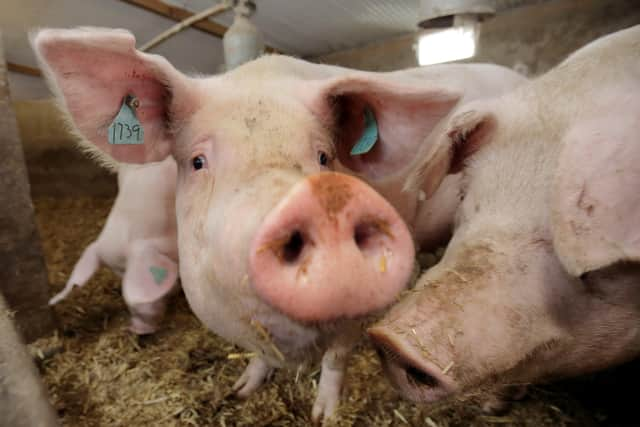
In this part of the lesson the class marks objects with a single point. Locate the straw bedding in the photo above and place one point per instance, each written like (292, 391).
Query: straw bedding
(99, 374)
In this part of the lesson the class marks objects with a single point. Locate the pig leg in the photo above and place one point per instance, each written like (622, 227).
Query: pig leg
(149, 279)
(88, 263)
(331, 375)
(253, 376)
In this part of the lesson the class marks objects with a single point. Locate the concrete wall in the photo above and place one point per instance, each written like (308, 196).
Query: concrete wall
(41, 126)
(23, 273)
(55, 165)
(389, 55)
(534, 37)
(27, 87)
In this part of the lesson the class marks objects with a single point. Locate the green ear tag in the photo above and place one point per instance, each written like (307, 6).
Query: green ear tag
(126, 128)
(158, 273)
(369, 136)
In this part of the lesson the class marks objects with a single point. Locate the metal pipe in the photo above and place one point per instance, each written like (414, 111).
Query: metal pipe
(242, 42)
(212, 11)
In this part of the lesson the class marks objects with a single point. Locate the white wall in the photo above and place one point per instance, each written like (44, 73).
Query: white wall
(27, 87)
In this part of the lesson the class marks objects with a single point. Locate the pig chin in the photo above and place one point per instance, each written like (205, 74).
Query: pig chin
(222, 297)
(243, 319)
(463, 337)
(415, 377)
(307, 260)
(429, 373)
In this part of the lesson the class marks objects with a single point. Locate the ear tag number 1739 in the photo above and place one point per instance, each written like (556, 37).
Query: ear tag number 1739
(126, 128)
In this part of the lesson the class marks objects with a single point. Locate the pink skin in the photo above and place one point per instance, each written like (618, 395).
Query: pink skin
(139, 235)
(259, 133)
(339, 241)
(540, 278)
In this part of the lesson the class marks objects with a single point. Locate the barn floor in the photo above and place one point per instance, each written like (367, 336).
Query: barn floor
(99, 374)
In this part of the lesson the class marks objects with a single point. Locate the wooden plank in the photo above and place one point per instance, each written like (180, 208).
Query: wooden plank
(24, 69)
(179, 14)
(23, 273)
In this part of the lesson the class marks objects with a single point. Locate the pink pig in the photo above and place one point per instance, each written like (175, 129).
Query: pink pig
(138, 242)
(541, 278)
(284, 248)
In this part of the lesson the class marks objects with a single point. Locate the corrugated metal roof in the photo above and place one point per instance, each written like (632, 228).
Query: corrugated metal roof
(315, 27)
(299, 27)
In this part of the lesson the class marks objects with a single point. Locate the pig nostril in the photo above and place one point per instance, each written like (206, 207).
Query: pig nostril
(363, 234)
(367, 232)
(293, 247)
(415, 376)
(419, 377)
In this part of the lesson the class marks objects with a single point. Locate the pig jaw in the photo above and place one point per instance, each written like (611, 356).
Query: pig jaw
(214, 236)
(509, 316)
(464, 327)
(418, 379)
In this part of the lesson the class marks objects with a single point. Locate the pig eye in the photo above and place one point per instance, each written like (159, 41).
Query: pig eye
(323, 158)
(199, 162)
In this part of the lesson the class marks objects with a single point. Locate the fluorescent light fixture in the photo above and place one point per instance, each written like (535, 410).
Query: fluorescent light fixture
(447, 45)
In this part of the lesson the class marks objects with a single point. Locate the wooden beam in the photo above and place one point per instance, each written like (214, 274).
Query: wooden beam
(24, 69)
(160, 8)
(179, 14)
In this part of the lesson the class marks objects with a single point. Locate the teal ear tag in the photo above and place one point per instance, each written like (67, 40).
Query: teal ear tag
(369, 136)
(126, 128)
(158, 273)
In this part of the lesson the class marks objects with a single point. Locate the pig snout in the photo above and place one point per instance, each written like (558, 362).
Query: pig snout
(419, 379)
(332, 248)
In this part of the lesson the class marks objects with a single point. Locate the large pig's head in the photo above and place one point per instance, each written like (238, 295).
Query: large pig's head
(276, 235)
(538, 280)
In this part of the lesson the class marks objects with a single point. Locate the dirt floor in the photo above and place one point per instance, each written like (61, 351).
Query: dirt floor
(99, 374)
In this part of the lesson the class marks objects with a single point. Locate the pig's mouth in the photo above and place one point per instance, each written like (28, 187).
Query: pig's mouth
(418, 379)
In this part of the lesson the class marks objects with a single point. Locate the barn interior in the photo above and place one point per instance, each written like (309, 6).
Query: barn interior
(56, 198)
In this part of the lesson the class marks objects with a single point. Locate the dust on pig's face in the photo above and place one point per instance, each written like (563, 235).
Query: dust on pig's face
(476, 316)
(500, 310)
(255, 145)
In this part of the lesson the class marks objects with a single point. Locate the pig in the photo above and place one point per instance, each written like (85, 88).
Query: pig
(288, 243)
(138, 243)
(539, 280)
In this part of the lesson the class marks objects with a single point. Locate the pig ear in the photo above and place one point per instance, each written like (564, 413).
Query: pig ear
(595, 198)
(404, 115)
(92, 70)
(463, 135)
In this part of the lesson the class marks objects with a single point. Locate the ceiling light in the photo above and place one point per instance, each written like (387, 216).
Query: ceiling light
(446, 45)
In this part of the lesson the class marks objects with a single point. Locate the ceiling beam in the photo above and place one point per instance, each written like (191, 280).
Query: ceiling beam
(155, 6)
(179, 14)
(24, 69)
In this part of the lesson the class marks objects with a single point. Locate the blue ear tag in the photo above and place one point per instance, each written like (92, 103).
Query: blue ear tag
(158, 273)
(369, 136)
(126, 128)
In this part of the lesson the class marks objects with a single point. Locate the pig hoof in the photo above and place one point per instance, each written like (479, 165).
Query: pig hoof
(252, 377)
(140, 327)
(324, 408)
